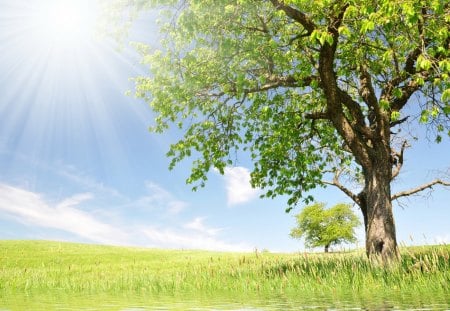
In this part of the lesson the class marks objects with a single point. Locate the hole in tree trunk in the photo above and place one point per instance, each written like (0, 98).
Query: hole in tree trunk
(379, 247)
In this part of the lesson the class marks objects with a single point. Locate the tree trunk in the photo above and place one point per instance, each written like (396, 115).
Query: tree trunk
(327, 247)
(376, 206)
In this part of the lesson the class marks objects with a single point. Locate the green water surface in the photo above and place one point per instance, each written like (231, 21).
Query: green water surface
(199, 302)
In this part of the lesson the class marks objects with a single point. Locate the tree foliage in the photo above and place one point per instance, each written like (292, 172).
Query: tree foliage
(316, 92)
(325, 227)
(235, 75)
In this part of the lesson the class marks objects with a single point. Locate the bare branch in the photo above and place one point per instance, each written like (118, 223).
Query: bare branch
(301, 35)
(336, 183)
(347, 191)
(398, 122)
(272, 82)
(397, 160)
(257, 29)
(281, 81)
(420, 188)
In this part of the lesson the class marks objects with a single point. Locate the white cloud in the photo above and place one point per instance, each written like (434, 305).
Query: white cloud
(176, 239)
(74, 200)
(237, 183)
(31, 209)
(155, 198)
(159, 198)
(73, 174)
(198, 225)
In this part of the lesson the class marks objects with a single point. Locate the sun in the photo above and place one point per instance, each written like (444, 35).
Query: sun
(61, 79)
(58, 38)
(62, 24)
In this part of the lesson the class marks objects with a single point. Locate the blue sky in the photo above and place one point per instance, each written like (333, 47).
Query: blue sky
(77, 162)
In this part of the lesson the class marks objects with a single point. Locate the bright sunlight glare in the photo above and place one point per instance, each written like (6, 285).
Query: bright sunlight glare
(63, 23)
(57, 66)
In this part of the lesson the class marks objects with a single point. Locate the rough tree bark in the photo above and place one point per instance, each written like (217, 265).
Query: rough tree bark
(372, 151)
(376, 206)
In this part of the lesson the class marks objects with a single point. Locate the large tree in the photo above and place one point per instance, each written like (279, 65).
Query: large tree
(316, 91)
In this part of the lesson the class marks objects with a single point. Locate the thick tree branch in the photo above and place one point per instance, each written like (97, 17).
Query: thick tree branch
(407, 92)
(409, 70)
(335, 23)
(410, 64)
(296, 15)
(318, 115)
(358, 122)
(366, 89)
(420, 188)
(334, 98)
(367, 92)
(354, 108)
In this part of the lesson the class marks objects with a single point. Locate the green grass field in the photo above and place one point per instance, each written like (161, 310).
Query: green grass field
(74, 268)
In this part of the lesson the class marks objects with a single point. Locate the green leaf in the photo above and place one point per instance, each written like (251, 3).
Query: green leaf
(344, 30)
(229, 8)
(423, 62)
(397, 93)
(384, 104)
(444, 65)
(446, 109)
(434, 112)
(424, 117)
(367, 26)
(445, 98)
(351, 12)
(395, 115)
(315, 35)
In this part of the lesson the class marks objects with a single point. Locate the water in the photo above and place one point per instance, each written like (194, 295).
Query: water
(202, 302)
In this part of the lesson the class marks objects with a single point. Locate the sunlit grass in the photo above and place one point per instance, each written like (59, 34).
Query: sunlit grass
(43, 266)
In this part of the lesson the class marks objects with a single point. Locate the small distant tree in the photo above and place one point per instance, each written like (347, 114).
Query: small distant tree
(325, 227)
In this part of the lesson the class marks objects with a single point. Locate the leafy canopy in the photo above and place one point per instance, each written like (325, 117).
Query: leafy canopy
(244, 76)
(324, 227)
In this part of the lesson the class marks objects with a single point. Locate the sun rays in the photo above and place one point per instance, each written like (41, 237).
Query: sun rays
(61, 84)
(62, 24)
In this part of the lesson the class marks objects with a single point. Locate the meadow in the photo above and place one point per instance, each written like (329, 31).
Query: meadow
(38, 266)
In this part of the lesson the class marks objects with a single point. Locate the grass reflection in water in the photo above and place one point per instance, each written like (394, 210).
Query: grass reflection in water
(63, 276)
